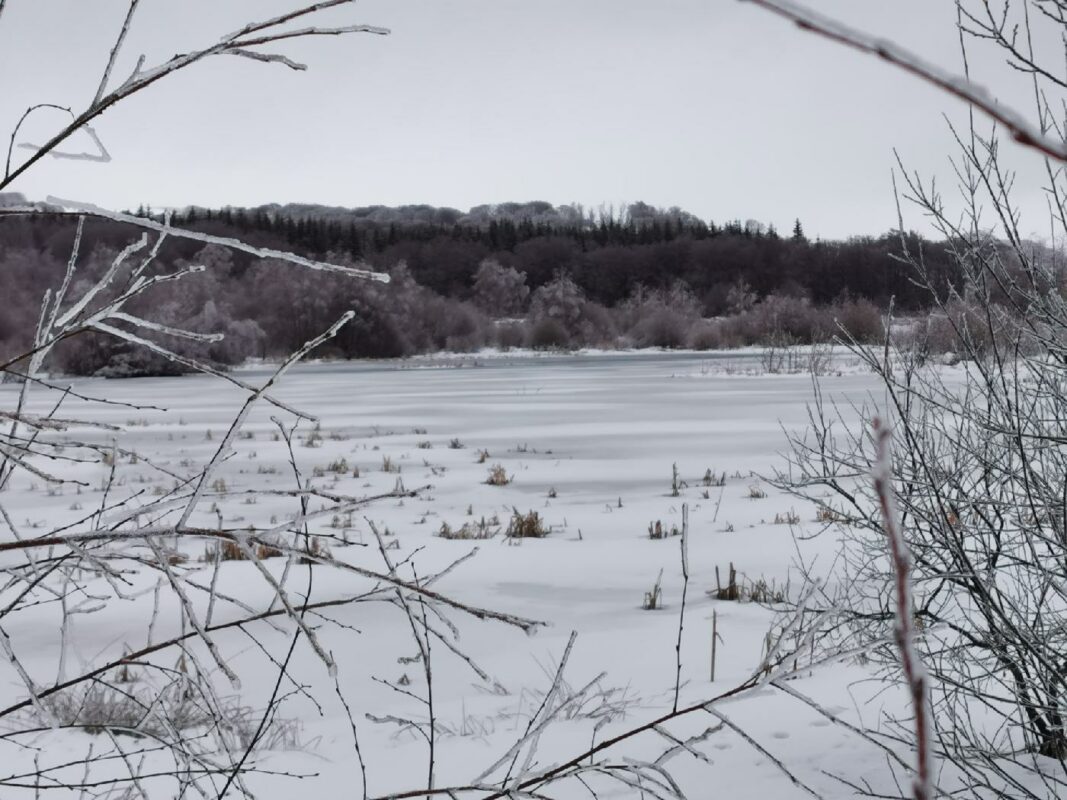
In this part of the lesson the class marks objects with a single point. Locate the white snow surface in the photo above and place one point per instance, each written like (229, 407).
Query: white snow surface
(601, 430)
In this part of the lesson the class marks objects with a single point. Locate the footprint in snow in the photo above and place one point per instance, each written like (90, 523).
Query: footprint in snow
(780, 735)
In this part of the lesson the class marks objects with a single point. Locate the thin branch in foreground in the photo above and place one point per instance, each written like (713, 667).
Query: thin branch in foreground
(224, 241)
(681, 614)
(914, 671)
(1021, 129)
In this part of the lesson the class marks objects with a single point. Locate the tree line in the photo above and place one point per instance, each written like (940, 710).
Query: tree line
(607, 252)
(514, 275)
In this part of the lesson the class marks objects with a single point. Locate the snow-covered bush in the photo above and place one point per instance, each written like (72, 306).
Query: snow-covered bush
(500, 291)
(661, 318)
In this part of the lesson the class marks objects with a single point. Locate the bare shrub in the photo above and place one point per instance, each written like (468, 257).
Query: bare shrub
(661, 318)
(861, 320)
(500, 291)
(166, 715)
(980, 469)
(509, 335)
(792, 317)
(548, 334)
(716, 334)
(560, 300)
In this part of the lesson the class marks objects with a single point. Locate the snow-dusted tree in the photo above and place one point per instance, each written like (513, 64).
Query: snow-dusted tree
(561, 299)
(168, 708)
(661, 318)
(500, 291)
(982, 467)
(161, 704)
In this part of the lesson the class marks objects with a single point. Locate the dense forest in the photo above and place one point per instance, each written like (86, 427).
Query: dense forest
(607, 253)
(508, 275)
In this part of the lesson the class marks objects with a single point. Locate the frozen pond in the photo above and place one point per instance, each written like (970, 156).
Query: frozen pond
(589, 442)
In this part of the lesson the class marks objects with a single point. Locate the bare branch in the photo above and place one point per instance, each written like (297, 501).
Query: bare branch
(115, 52)
(1021, 129)
(914, 671)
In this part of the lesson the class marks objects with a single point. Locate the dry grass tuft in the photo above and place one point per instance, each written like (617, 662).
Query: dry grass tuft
(654, 596)
(828, 515)
(482, 529)
(229, 550)
(656, 530)
(745, 591)
(731, 591)
(526, 526)
(314, 550)
(498, 476)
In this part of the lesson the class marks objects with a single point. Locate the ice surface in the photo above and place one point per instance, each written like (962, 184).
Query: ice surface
(603, 432)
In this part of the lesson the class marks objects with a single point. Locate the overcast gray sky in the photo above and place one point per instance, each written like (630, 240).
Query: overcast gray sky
(711, 105)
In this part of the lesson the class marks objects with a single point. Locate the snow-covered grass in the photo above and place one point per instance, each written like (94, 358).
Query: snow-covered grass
(590, 443)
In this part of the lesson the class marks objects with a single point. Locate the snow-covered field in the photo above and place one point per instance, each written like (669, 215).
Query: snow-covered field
(589, 443)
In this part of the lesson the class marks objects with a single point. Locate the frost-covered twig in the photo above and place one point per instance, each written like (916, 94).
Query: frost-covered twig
(914, 671)
(141, 77)
(763, 751)
(223, 241)
(1021, 129)
(235, 427)
(684, 547)
(115, 51)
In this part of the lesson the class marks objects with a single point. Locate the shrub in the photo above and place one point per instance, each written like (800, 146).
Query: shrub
(560, 300)
(548, 334)
(795, 317)
(509, 335)
(861, 319)
(498, 290)
(662, 328)
(660, 318)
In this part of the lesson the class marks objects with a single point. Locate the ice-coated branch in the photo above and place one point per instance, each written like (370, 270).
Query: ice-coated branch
(267, 57)
(914, 671)
(532, 726)
(684, 547)
(763, 751)
(224, 447)
(198, 366)
(142, 78)
(102, 155)
(115, 52)
(18, 125)
(1021, 129)
(224, 241)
